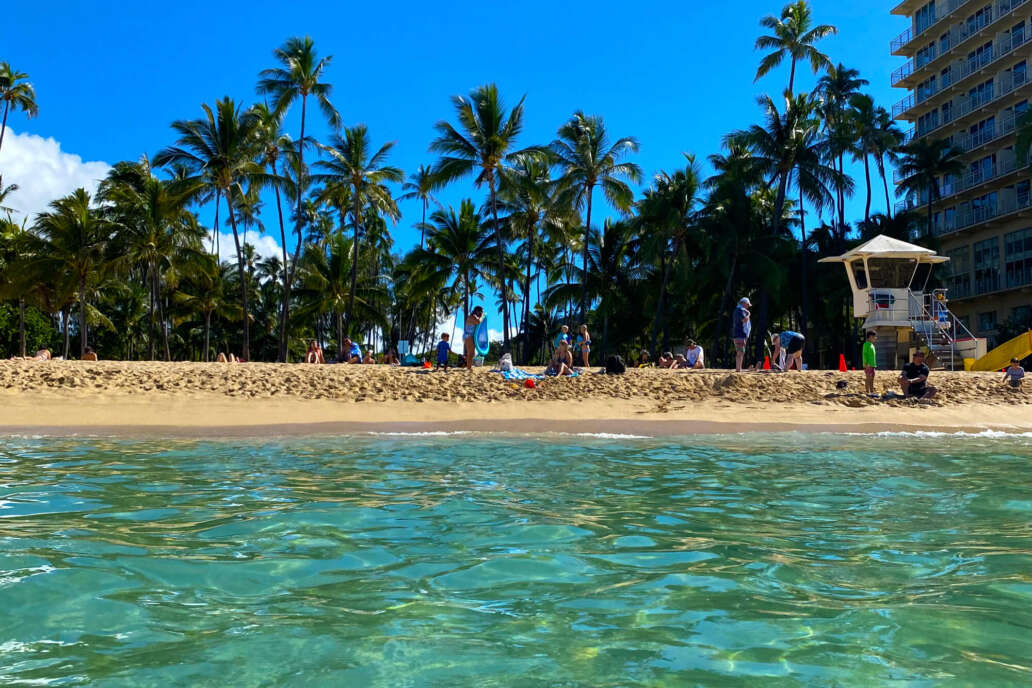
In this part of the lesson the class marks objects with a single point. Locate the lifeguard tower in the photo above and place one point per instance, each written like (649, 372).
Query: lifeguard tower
(889, 279)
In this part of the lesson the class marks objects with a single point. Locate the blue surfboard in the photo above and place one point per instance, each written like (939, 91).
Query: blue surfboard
(480, 338)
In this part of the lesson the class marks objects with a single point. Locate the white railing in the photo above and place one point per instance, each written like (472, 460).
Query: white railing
(963, 217)
(970, 179)
(966, 105)
(942, 10)
(966, 141)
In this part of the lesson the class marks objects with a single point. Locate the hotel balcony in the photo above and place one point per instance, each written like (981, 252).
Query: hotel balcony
(1009, 205)
(903, 43)
(965, 106)
(971, 181)
(918, 69)
(968, 142)
(959, 72)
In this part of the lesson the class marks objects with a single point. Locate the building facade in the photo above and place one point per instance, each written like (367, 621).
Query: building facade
(967, 73)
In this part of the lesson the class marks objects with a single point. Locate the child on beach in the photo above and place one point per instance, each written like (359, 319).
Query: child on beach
(443, 348)
(1014, 374)
(870, 359)
(563, 336)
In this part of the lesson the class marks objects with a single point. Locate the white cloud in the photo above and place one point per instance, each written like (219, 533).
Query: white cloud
(264, 245)
(43, 172)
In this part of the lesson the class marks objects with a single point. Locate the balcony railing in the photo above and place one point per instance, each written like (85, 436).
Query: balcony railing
(942, 10)
(955, 36)
(967, 105)
(968, 217)
(968, 142)
(962, 70)
(970, 179)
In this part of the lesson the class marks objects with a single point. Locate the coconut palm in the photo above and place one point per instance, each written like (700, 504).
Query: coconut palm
(299, 76)
(202, 291)
(353, 165)
(421, 184)
(220, 149)
(835, 89)
(76, 240)
(586, 159)
(794, 36)
(922, 164)
(886, 141)
(15, 93)
(481, 145)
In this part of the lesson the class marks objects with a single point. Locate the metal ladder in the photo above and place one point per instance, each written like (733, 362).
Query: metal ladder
(937, 327)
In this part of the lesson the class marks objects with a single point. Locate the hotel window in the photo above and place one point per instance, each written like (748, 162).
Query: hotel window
(925, 55)
(927, 122)
(1021, 192)
(985, 207)
(987, 321)
(1020, 73)
(944, 43)
(947, 111)
(982, 93)
(1018, 35)
(926, 88)
(1021, 315)
(979, 19)
(958, 278)
(981, 56)
(1020, 108)
(983, 131)
(949, 218)
(983, 169)
(987, 265)
(1018, 257)
(924, 17)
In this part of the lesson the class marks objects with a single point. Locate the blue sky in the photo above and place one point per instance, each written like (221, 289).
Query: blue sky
(110, 77)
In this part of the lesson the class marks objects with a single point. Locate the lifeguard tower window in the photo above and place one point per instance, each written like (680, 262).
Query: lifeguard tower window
(860, 274)
(891, 273)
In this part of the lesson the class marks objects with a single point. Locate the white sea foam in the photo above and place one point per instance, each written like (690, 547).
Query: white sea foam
(606, 435)
(434, 433)
(991, 434)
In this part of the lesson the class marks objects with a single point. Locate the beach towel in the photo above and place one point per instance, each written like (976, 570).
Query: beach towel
(517, 374)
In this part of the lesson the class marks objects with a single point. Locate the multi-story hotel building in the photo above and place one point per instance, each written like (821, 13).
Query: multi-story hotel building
(969, 82)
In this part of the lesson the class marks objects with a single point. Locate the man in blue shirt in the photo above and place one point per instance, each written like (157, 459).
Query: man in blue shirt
(792, 344)
(352, 352)
(741, 328)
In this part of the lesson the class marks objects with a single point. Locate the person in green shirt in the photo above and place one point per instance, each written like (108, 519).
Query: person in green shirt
(870, 359)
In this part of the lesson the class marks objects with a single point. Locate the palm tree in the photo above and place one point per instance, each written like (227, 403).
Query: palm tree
(481, 145)
(835, 89)
(421, 184)
(587, 160)
(203, 291)
(18, 250)
(886, 141)
(220, 149)
(353, 166)
(298, 76)
(865, 122)
(794, 37)
(922, 164)
(15, 92)
(76, 237)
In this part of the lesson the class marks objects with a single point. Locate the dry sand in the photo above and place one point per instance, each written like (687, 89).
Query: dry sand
(196, 398)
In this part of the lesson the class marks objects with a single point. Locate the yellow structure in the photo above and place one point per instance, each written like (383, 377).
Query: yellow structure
(1020, 347)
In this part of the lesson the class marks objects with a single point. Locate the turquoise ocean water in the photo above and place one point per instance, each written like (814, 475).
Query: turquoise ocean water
(772, 560)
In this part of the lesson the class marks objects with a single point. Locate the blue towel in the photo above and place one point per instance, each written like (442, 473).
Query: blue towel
(517, 374)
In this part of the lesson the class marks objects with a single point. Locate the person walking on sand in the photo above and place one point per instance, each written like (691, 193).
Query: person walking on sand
(584, 345)
(914, 379)
(469, 346)
(791, 343)
(742, 328)
(870, 361)
(443, 349)
(1014, 374)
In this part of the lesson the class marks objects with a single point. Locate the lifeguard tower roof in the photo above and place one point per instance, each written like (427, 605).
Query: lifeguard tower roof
(882, 246)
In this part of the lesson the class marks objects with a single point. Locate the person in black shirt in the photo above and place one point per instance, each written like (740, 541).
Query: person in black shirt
(914, 379)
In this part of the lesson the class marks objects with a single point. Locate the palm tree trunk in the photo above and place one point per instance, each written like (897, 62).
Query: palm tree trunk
(725, 304)
(207, 333)
(150, 310)
(66, 314)
(584, 260)
(3, 130)
(422, 226)
(245, 351)
(657, 322)
(526, 292)
(215, 230)
(885, 184)
(340, 336)
(161, 316)
(842, 197)
(21, 327)
(803, 257)
(282, 357)
(83, 331)
(355, 213)
(290, 270)
(501, 264)
(791, 78)
(867, 176)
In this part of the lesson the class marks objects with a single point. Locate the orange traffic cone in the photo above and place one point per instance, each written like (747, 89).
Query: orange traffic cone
(766, 362)
(842, 363)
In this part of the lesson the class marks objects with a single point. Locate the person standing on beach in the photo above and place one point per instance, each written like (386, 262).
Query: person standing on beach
(742, 327)
(791, 343)
(469, 346)
(584, 345)
(563, 336)
(443, 348)
(870, 360)
(914, 379)
(1014, 374)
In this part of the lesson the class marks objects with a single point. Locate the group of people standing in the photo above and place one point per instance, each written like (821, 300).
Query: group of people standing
(788, 345)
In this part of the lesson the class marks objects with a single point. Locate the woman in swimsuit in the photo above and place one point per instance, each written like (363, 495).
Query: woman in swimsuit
(562, 362)
(584, 344)
(314, 353)
(468, 333)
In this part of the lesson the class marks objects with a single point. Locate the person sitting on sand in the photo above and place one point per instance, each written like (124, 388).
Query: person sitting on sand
(643, 359)
(314, 353)
(792, 344)
(41, 355)
(89, 355)
(350, 352)
(1014, 374)
(914, 379)
(680, 362)
(390, 357)
(468, 333)
(369, 358)
(223, 358)
(694, 355)
(666, 360)
(443, 349)
(562, 362)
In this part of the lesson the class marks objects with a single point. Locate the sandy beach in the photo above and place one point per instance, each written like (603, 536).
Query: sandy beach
(194, 398)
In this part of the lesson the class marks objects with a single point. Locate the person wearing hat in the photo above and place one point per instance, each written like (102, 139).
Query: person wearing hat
(742, 327)
(694, 357)
(914, 378)
(1014, 374)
